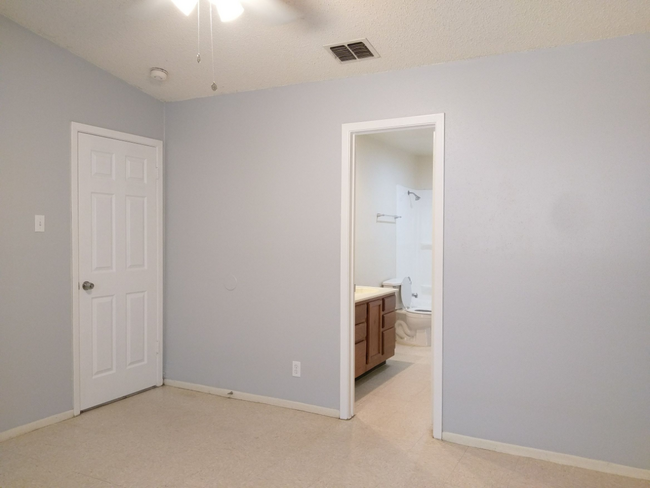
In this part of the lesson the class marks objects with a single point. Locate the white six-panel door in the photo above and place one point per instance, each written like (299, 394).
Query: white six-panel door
(118, 258)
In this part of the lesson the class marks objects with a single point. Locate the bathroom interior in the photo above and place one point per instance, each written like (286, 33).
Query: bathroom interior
(393, 279)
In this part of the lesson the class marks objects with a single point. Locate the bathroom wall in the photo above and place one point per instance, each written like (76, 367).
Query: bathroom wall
(424, 165)
(547, 231)
(379, 168)
(43, 88)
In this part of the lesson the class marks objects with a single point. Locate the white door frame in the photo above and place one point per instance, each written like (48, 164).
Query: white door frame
(435, 121)
(76, 129)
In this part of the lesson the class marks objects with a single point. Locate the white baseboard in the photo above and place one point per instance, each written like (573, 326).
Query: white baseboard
(39, 424)
(554, 457)
(249, 397)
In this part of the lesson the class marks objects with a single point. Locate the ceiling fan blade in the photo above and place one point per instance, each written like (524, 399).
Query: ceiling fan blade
(274, 11)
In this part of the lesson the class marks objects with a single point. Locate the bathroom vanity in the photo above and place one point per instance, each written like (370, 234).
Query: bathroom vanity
(374, 330)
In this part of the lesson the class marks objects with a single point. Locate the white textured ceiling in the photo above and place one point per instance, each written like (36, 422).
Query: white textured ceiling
(418, 142)
(127, 37)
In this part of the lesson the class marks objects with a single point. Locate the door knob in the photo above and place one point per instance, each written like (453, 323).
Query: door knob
(87, 285)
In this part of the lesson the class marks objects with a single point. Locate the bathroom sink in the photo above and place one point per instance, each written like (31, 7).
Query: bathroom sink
(367, 289)
(362, 293)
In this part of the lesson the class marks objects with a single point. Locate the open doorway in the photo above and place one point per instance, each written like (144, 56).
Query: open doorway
(391, 249)
(393, 234)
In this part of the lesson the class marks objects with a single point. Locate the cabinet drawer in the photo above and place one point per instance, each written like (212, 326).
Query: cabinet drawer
(388, 321)
(388, 340)
(360, 313)
(389, 303)
(359, 332)
(359, 358)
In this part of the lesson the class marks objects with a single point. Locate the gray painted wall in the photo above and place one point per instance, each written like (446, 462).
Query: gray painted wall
(42, 89)
(547, 244)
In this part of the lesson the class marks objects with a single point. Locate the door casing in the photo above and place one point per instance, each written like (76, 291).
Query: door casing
(76, 129)
(349, 131)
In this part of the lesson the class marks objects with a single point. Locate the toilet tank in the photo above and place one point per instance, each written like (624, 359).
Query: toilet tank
(404, 287)
(392, 283)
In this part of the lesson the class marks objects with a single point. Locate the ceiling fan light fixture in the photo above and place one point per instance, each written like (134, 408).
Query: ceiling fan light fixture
(185, 6)
(228, 9)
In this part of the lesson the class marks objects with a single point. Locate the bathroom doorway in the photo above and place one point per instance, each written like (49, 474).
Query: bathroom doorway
(393, 278)
(391, 274)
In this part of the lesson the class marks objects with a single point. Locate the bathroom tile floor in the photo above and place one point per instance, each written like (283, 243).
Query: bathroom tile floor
(168, 437)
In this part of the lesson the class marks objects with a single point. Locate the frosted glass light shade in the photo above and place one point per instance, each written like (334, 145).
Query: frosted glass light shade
(228, 9)
(185, 6)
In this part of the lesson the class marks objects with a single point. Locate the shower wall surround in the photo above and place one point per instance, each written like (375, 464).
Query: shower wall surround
(414, 234)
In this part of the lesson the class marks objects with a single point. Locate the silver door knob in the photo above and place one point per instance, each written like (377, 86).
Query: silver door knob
(87, 285)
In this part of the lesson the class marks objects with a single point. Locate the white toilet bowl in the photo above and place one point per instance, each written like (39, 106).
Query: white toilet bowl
(413, 325)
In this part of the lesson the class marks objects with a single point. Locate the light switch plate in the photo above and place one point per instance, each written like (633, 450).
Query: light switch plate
(39, 223)
(296, 369)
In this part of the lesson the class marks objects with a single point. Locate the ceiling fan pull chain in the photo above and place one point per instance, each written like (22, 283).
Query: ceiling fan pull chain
(198, 31)
(214, 83)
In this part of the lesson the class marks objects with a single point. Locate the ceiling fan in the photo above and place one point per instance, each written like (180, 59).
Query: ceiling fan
(273, 11)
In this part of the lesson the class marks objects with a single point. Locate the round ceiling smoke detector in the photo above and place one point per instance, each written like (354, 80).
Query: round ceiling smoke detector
(158, 74)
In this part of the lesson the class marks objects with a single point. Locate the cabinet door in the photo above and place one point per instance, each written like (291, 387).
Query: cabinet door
(374, 333)
(388, 343)
(359, 358)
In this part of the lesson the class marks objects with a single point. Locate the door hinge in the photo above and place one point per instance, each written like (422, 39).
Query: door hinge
(157, 172)
(157, 347)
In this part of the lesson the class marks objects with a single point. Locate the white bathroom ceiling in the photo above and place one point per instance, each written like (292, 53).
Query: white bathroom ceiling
(418, 142)
(128, 37)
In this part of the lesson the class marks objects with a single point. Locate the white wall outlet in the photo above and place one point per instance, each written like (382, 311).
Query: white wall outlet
(296, 369)
(39, 223)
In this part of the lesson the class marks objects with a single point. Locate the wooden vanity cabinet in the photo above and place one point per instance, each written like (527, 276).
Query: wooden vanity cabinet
(360, 332)
(374, 333)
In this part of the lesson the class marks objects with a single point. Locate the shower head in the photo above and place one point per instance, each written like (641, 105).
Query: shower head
(413, 193)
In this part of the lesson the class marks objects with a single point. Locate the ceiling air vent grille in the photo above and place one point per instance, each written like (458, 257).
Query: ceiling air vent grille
(343, 53)
(353, 51)
(360, 50)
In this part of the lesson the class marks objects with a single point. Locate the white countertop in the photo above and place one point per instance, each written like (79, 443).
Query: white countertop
(363, 293)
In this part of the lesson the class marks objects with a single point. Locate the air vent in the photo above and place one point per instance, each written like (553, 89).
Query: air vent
(343, 53)
(353, 51)
(360, 50)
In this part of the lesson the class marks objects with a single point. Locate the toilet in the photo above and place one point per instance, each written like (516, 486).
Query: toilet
(413, 326)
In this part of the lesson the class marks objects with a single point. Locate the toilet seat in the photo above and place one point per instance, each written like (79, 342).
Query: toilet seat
(405, 292)
(422, 311)
(406, 295)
